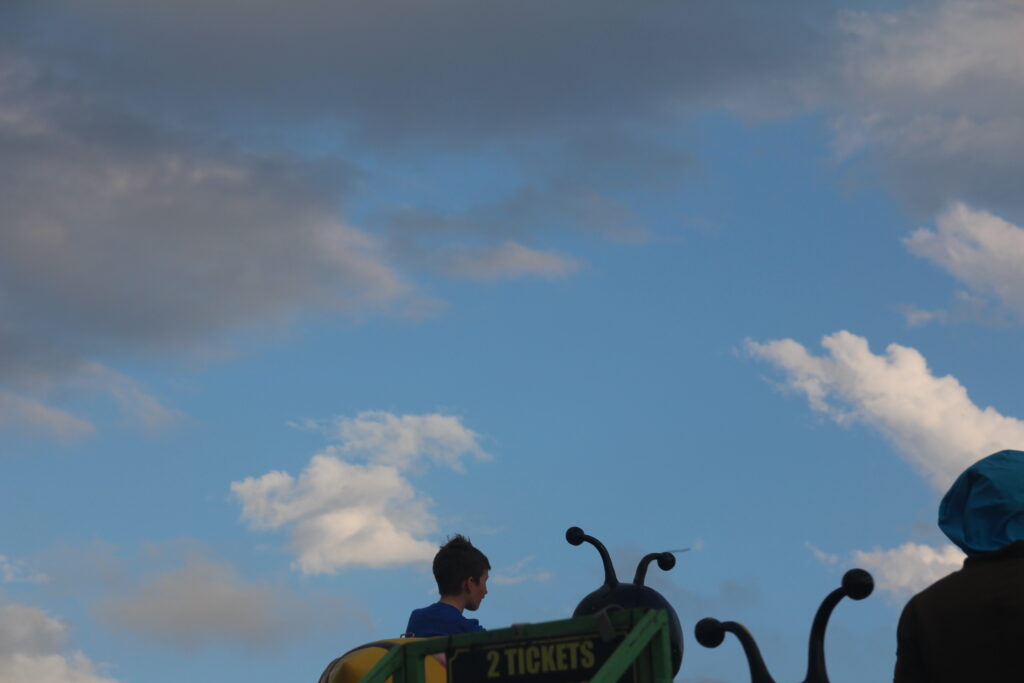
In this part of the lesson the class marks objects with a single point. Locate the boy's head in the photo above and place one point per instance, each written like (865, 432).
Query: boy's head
(461, 569)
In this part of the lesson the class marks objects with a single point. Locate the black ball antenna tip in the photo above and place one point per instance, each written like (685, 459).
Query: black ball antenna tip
(574, 535)
(709, 632)
(666, 561)
(858, 584)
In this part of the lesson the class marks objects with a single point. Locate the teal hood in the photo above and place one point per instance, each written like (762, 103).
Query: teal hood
(984, 509)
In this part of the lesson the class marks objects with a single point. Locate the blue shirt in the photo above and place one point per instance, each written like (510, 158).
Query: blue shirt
(440, 619)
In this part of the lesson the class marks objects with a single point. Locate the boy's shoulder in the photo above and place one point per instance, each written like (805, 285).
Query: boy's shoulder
(440, 619)
(437, 610)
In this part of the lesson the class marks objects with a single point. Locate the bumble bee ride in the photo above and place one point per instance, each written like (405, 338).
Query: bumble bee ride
(613, 593)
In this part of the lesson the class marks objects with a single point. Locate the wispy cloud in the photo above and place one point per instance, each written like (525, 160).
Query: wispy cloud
(910, 567)
(822, 556)
(982, 251)
(509, 260)
(901, 571)
(28, 415)
(346, 514)
(141, 406)
(15, 571)
(965, 307)
(30, 409)
(930, 420)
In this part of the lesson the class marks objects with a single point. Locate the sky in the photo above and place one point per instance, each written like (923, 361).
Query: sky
(291, 292)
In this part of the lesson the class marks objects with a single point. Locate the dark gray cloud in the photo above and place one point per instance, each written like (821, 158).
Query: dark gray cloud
(123, 231)
(930, 92)
(149, 203)
(119, 233)
(584, 99)
(451, 70)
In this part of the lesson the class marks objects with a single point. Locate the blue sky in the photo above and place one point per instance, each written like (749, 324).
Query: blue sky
(290, 294)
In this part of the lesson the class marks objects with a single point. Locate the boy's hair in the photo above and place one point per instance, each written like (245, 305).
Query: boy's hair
(456, 561)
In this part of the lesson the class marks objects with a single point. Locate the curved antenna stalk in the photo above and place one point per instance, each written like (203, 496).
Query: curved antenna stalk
(665, 560)
(710, 632)
(857, 585)
(575, 536)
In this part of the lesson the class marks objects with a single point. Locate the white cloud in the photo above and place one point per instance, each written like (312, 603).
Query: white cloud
(342, 514)
(909, 568)
(29, 411)
(206, 602)
(824, 557)
(508, 260)
(981, 250)
(31, 644)
(144, 408)
(930, 420)
(401, 440)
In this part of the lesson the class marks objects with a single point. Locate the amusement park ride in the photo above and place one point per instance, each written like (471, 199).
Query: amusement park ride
(621, 632)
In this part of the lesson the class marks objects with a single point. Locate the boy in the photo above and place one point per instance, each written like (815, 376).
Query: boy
(461, 574)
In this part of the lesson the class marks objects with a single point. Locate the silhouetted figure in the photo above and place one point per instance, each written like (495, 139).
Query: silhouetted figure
(461, 572)
(969, 626)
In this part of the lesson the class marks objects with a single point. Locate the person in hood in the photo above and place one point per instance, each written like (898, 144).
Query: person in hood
(969, 626)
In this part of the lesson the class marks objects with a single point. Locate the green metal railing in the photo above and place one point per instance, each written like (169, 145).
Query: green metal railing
(617, 645)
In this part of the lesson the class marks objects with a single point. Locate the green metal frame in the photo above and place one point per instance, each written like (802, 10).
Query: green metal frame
(646, 646)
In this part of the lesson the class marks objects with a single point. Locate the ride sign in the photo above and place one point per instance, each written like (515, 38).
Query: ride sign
(563, 659)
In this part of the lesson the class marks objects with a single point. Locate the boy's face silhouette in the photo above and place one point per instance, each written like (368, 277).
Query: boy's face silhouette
(475, 590)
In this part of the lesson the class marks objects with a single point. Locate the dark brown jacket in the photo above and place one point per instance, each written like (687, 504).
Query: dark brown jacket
(967, 627)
